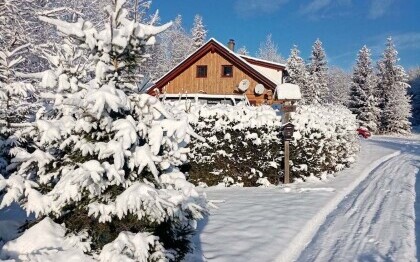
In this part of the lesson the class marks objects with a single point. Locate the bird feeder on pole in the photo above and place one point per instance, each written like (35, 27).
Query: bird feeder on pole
(287, 95)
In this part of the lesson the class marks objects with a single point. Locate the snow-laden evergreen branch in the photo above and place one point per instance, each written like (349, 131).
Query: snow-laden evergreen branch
(103, 153)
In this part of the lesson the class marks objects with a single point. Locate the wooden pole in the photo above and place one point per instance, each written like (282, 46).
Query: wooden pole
(286, 163)
(286, 119)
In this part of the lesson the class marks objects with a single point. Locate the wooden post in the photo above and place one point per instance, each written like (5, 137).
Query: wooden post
(286, 163)
(288, 94)
(286, 119)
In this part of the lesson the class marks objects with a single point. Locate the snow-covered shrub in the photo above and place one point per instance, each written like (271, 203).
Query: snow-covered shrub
(242, 144)
(325, 140)
(102, 163)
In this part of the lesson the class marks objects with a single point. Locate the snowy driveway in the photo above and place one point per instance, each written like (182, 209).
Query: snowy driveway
(366, 213)
(376, 222)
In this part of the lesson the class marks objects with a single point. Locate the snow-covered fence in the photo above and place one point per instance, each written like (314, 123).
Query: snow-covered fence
(244, 144)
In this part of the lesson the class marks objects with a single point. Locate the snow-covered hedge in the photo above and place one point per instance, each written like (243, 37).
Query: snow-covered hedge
(325, 140)
(244, 147)
(242, 144)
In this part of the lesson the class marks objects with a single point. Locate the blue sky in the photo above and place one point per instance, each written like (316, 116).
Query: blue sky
(343, 26)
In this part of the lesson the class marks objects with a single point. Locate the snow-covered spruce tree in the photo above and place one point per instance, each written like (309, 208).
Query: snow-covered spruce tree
(363, 102)
(339, 83)
(318, 73)
(19, 21)
(414, 92)
(243, 51)
(104, 166)
(299, 75)
(312, 94)
(173, 45)
(151, 68)
(198, 32)
(14, 104)
(139, 10)
(269, 51)
(392, 88)
(181, 41)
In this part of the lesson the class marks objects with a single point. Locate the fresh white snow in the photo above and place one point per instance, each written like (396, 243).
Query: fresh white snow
(41, 243)
(288, 91)
(376, 222)
(365, 213)
(290, 223)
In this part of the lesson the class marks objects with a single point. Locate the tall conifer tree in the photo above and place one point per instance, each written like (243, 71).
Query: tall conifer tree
(198, 32)
(298, 74)
(318, 72)
(269, 51)
(363, 102)
(392, 91)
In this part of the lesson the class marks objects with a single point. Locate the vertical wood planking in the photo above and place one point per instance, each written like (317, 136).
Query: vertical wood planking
(214, 83)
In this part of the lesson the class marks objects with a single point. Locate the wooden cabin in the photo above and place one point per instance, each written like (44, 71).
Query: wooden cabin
(217, 70)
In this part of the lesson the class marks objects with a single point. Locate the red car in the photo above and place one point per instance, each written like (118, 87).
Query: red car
(363, 132)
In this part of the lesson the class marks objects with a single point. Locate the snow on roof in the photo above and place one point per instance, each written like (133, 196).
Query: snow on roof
(266, 73)
(262, 60)
(259, 69)
(288, 92)
(272, 74)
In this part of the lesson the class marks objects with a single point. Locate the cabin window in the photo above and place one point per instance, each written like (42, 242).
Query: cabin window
(202, 71)
(227, 71)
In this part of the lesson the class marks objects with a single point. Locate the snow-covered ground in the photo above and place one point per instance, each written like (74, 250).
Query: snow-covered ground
(376, 221)
(11, 218)
(367, 212)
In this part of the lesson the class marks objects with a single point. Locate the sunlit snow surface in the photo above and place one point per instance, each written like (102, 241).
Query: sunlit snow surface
(366, 213)
(301, 222)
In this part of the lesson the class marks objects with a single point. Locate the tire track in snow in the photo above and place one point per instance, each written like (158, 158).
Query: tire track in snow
(310, 229)
(376, 221)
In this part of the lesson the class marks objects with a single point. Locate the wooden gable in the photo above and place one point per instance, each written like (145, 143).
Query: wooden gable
(214, 83)
(183, 78)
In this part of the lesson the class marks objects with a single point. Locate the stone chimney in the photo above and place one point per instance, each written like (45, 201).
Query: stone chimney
(231, 45)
